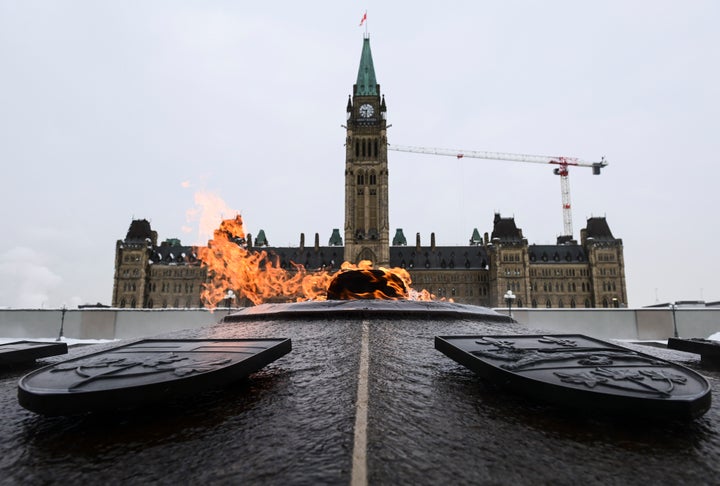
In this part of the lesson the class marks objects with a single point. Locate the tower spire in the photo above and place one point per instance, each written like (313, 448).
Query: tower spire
(366, 84)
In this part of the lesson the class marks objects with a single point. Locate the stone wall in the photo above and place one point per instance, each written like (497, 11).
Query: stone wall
(642, 324)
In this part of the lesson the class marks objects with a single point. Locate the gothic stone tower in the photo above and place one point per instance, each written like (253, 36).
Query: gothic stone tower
(366, 169)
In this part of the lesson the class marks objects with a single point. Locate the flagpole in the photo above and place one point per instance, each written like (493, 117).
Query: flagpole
(363, 20)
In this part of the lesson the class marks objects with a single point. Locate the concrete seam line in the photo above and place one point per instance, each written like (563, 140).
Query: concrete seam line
(359, 462)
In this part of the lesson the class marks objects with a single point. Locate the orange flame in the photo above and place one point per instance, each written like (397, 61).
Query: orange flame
(255, 275)
(364, 282)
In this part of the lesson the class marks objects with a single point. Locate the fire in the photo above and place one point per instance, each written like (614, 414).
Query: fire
(254, 274)
(364, 282)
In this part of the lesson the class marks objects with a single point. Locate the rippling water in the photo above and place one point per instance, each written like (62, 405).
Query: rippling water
(431, 421)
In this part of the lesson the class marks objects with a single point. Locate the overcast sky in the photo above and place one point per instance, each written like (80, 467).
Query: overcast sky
(111, 111)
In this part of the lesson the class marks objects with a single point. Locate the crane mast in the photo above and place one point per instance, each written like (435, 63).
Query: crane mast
(562, 164)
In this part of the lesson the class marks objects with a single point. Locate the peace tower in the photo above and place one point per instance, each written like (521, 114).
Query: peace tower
(366, 169)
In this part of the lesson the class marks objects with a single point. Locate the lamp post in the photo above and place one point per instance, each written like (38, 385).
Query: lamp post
(509, 297)
(672, 307)
(229, 296)
(62, 324)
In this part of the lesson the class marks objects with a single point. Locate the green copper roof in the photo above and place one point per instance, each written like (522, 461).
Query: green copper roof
(261, 239)
(366, 83)
(399, 238)
(475, 238)
(335, 238)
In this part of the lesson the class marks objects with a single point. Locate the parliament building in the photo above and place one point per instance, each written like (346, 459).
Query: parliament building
(570, 274)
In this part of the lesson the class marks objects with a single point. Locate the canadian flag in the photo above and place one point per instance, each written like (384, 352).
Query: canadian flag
(363, 19)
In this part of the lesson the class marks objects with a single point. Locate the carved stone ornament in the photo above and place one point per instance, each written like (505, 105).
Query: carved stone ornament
(144, 372)
(579, 371)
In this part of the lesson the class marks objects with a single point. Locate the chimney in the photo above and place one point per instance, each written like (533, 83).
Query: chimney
(249, 240)
(317, 242)
(486, 238)
(417, 242)
(302, 241)
(432, 241)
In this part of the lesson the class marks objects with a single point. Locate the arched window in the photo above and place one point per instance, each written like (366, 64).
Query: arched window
(122, 303)
(534, 303)
(376, 148)
(357, 148)
(361, 179)
(587, 303)
(133, 303)
(572, 303)
(364, 147)
(605, 302)
(150, 304)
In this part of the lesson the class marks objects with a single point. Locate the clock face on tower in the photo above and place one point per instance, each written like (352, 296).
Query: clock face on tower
(366, 111)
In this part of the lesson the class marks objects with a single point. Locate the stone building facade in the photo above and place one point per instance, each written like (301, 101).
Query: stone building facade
(589, 273)
(148, 275)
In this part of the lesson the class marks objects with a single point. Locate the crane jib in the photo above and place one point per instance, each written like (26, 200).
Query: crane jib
(562, 170)
(510, 157)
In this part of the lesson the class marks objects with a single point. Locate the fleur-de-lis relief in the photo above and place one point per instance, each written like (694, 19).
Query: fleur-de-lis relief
(583, 378)
(162, 361)
(559, 341)
(664, 375)
(619, 374)
(610, 378)
(105, 368)
(103, 362)
(498, 343)
(595, 360)
(198, 366)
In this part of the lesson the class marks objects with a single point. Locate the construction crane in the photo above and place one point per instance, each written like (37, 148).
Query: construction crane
(562, 163)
